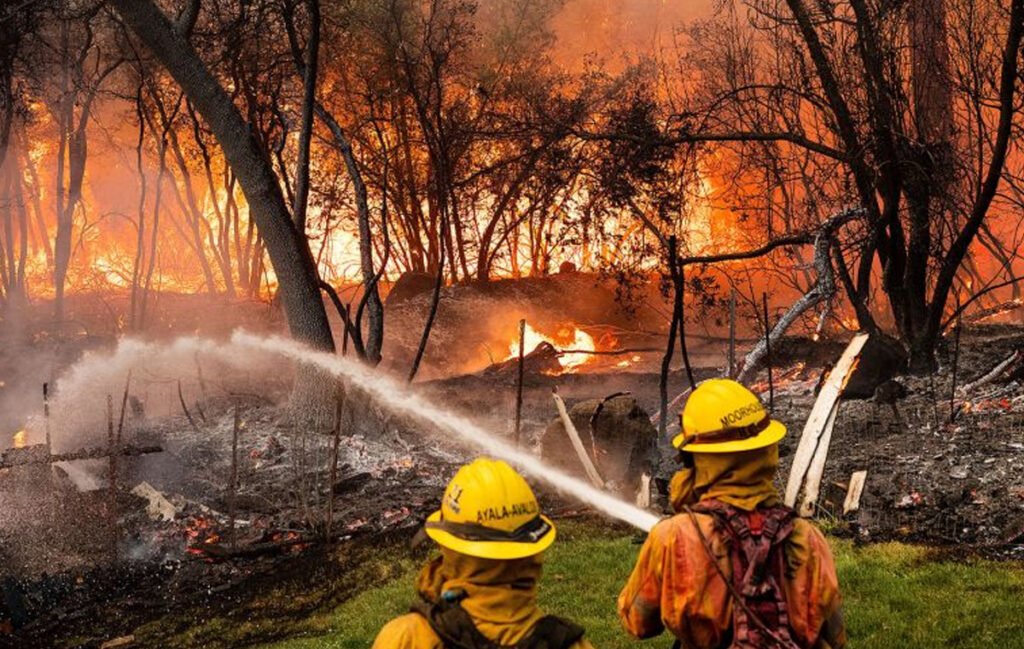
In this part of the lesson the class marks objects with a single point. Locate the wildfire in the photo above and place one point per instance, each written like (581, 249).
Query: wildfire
(21, 439)
(567, 337)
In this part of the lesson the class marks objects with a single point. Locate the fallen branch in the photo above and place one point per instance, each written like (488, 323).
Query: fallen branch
(798, 239)
(37, 454)
(982, 314)
(673, 405)
(610, 352)
(824, 288)
(992, 374)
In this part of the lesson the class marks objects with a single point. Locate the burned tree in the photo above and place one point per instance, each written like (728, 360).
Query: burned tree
(286, 246)
(915, 157)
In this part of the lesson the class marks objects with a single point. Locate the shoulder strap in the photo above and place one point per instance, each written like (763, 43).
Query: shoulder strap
(552, 632)
(754, 542)
(454, 626)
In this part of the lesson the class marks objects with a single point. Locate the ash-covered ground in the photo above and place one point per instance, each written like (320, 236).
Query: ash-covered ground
(71, 557)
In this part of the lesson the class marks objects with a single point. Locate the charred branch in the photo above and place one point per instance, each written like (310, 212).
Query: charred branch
(823, 289)
(38, 454)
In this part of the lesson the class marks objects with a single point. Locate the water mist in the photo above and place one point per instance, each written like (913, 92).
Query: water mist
(399, 398)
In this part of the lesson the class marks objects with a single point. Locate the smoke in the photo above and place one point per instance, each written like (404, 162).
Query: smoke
(612, 29)
(152, 372)
(79, 412)
(400, 399)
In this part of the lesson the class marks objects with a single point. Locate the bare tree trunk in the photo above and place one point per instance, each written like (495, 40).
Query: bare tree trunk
(140, 229)
(157, 195)
(309, 74)
(374, 340)
(300, 294)
(435, 300)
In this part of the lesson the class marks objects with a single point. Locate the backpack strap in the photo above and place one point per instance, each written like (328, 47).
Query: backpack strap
(454, 626)
(552, 632)
(754, 540)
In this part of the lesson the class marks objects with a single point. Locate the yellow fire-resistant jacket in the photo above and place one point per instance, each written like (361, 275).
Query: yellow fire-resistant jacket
(675, 586)
(501, 598)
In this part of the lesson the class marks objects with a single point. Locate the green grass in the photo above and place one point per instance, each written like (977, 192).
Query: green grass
(896, 597)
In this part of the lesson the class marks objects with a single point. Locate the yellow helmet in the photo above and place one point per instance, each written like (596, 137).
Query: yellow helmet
(723, 416)
(489, 511)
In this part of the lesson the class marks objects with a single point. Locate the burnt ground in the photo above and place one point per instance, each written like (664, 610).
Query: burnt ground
(957, 486)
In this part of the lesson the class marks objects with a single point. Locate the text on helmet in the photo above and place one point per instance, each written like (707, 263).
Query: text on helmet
(741, 413)
(488, 514)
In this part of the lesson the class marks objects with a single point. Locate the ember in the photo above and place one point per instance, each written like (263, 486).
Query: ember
(21, 439)
(200, 531)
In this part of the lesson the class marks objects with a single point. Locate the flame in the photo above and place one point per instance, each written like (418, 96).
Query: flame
(21, 439)
(567, 337)
(629, 361)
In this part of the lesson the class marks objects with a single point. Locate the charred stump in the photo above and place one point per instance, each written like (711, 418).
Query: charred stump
(618, 436)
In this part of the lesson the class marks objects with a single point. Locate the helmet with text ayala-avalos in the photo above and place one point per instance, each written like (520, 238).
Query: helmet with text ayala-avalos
(489, 511)
(723, 416)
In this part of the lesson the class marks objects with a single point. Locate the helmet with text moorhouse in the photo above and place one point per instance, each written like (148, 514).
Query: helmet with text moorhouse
(723, 416)
(489, 511)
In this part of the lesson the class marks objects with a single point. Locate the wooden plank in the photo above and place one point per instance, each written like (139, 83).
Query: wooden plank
(853, 493)
(821, 413)
(577, 444)
(643, 496)
(812, 483)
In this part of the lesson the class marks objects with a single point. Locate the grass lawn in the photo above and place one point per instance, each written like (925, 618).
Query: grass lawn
(896, 597)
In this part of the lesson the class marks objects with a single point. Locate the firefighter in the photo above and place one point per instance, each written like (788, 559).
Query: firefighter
(734, 567)
(482, 591)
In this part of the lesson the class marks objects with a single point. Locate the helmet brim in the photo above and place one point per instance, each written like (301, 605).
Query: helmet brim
(770, 435)
(504, 550)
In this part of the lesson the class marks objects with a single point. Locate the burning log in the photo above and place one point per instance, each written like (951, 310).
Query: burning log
(542, 360)
(289, 541)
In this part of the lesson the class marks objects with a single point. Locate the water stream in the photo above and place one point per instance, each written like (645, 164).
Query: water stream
(398, 397)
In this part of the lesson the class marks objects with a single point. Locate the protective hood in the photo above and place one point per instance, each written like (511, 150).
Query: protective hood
(500, 592)
(743, 480)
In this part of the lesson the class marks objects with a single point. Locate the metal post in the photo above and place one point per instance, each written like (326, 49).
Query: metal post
(334, 469)
(46, 416)
(732, 333)
(768, 351)
(233, 487)
(519, 381)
